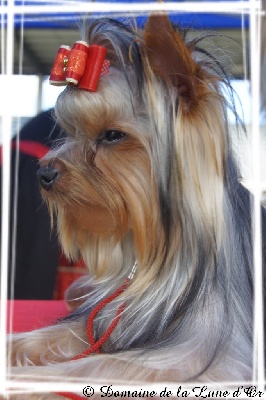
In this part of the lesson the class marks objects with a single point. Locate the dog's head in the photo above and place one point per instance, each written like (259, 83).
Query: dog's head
(140, 175)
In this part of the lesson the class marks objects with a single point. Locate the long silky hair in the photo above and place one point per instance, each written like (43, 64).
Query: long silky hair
(173, 203)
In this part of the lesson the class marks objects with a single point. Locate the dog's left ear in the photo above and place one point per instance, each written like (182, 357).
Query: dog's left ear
(169, 56)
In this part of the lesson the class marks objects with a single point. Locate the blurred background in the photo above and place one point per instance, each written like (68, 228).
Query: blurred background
(37, 38)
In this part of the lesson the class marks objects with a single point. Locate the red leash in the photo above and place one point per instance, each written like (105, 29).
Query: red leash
(95, 347)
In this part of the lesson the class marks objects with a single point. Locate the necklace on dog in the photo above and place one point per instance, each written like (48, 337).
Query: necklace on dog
(95, 346)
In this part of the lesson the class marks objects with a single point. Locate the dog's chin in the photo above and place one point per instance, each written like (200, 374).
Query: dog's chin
(94, 219)
(91, 218)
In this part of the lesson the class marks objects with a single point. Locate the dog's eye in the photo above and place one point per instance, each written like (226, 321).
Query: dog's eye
(111, 136)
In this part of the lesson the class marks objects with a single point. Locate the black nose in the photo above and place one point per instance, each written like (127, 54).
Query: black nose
(46, 176)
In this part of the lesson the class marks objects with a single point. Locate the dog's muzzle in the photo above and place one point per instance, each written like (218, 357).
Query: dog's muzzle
(47, 176)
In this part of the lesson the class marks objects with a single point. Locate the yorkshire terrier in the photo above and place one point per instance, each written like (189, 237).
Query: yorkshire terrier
(145, 189)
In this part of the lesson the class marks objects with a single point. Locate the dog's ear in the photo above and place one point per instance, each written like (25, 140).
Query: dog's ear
(169, 56)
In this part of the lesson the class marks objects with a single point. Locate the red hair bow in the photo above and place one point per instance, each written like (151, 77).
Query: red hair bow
(82, 66)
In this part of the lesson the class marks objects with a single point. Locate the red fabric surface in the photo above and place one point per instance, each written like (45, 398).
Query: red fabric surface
(27, 315)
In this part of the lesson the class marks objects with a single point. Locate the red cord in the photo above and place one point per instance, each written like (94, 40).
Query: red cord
(95, 347)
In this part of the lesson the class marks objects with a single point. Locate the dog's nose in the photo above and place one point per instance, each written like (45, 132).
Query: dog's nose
(47, 176)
